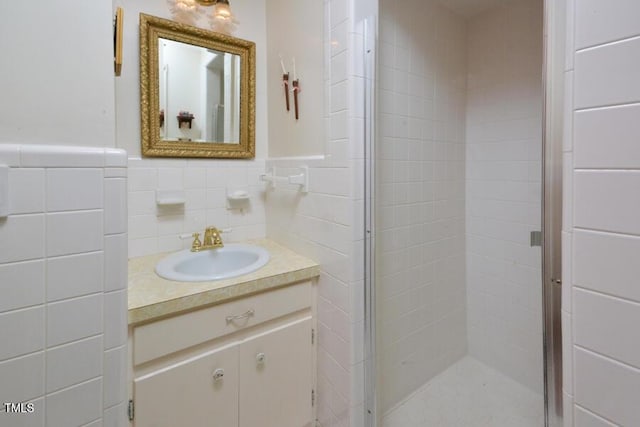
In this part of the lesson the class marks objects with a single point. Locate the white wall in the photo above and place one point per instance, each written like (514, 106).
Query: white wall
(154, 229)
(63, 280)
(327, 223)
(420, 262)
(56, 78)
(503, 164)
(601, 247)
(184, 89)
(294, 30)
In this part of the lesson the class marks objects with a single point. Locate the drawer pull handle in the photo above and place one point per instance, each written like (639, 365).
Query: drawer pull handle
(260, 358)
(245, 315)
(218, 374)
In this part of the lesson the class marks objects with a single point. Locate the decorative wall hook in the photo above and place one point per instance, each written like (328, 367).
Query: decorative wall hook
(296, 88)
(285, 83)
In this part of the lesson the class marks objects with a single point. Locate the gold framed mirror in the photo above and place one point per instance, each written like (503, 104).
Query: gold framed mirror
(197, 92)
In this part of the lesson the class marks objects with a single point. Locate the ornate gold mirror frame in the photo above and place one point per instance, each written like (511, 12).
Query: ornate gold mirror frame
(151, 30)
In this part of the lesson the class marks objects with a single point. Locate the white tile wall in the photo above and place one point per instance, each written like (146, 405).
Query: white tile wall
(326, 223)
(85, 398)
(26, 376)
(64, 369)
(584, 418)
(607, 263)
(571, 413)
(606, 75)
(596, 316)
(63, 278)
(23, 329)
(62, 319)
(604, 224)
(74, 232)
(22, 228)
(88, 277)
(74, 189)
(26, 190)
(619, 126)
(607, 387)
(601, 22)
(420, 206)
(21, 284)
(155, 229)
(503, 163)
(598, 208)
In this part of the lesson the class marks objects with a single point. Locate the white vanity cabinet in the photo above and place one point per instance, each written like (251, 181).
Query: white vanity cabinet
(248, 362)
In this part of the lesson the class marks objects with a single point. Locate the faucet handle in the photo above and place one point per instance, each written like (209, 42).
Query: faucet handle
(197, 244)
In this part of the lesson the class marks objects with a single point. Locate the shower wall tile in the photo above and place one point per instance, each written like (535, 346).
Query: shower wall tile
(605, 211)
(599, 22)
(567, 354)
(584, 418)
(596, 319)
(607, 263)
(421, 194)
(597, 207)
(570, 34)
(607, 387)
(52, 301)
(567, 409)
(619, 126)
(503, 175)
(607, 75)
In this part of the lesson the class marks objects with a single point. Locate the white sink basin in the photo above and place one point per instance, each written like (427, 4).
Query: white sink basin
(213, 264)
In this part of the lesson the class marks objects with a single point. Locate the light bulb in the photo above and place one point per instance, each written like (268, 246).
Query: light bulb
(186, 5)
(222, 10)
(184, 11)
(222, 19)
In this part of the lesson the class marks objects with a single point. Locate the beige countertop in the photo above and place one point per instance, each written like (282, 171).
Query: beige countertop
(152, 297)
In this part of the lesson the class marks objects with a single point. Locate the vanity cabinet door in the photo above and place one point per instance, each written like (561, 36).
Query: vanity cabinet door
(198, 392)
(276, 377)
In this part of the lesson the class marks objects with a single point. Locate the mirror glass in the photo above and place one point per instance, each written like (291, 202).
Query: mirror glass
(199, 93)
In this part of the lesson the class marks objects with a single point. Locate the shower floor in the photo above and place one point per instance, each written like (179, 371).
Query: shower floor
(469, 394)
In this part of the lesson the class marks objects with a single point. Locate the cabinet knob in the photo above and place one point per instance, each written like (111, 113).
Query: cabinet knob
(218, 374)
(260, 358)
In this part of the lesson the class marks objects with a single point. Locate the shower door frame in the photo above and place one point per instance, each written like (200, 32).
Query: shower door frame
(554, 17)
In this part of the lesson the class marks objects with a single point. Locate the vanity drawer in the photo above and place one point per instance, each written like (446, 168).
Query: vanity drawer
(176, 333)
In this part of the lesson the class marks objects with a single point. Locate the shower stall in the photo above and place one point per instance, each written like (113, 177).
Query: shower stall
(455, 204)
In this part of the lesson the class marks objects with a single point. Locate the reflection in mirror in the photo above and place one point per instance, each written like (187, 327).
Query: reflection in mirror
(199, 93)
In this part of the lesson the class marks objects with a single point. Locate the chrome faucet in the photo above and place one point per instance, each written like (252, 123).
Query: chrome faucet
(212, 240)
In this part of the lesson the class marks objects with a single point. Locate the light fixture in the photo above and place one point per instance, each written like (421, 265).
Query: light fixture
(184, 11)
(188, 11)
